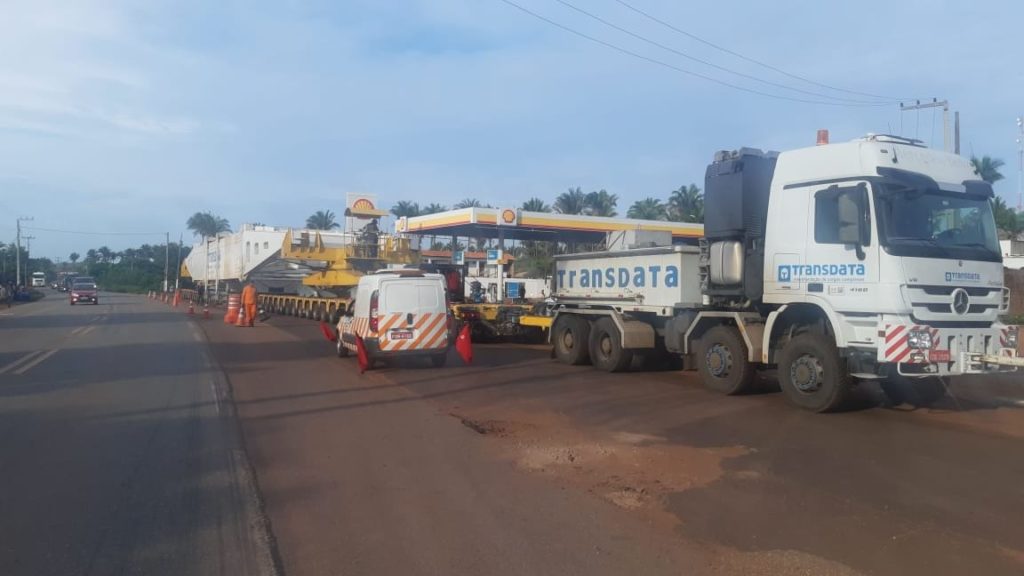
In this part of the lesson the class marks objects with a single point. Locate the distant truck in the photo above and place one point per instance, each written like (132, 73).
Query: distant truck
(875, 259)
(39, 279)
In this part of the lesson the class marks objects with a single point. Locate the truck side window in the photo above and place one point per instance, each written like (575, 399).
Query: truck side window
(841, 216)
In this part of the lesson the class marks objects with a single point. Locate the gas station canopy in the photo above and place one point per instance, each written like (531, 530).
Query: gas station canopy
(515, 224)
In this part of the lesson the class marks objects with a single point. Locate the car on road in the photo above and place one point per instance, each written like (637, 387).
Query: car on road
(397, 313)
(84, 290)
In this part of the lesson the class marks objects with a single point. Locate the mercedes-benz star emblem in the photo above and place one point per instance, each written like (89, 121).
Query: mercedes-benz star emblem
(961, 302)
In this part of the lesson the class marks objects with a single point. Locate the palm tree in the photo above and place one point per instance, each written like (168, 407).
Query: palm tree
(601, 203)
(104, 253)
(468, 203)
(74, 256)
(1006, 218)
(686, 204)
(647, 209)
(405, 209)
(433, 208)
(988, 168)
(321, 220)
(535, 205)
(572, 202)
(205, 224)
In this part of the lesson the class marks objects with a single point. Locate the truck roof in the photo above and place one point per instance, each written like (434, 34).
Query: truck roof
(864, 156)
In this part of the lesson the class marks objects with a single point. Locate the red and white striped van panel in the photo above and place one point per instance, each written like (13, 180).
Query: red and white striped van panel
(429, 332)
(896, 347)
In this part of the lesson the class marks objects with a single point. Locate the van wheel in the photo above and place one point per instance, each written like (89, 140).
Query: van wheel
(571, 338)
(722, 361)
(919, 392)
(606, 351)
(342, 351)
(812, 374)
(439, 360)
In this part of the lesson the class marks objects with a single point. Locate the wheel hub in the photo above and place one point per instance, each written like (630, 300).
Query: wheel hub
(568, 340)
(807, 374)
(718, 360)
(606, 345)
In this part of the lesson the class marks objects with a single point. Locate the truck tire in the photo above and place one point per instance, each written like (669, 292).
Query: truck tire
(812, 375)
(918, 392)
(606, 351)
(571, 338)
(722, 361)
(342, 351)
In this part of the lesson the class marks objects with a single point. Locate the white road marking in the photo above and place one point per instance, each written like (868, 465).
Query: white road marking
(216, 399)
(87, 330)
(77, 330)
(24, 358)
(36, 362)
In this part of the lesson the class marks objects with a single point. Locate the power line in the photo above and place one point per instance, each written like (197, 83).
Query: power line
(707, 63)
(749, 59)
(94, 233)
(677, 68)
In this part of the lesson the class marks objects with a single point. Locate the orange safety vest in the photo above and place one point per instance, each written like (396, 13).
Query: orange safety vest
(249, 295)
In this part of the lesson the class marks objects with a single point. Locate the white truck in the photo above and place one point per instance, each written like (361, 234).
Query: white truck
(871, 259)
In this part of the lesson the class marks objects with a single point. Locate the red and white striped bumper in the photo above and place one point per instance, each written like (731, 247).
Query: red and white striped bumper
(951, 348)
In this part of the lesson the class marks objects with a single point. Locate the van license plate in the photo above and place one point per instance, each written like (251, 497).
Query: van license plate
(937, 356)
(401, 334)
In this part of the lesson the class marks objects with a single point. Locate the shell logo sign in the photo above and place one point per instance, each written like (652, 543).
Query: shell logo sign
(507, 217)
(363, 204)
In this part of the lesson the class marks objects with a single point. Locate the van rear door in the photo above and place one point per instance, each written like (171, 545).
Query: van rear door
(413, 314)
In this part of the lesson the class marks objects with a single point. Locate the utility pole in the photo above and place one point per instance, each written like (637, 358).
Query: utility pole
(167, 256)
(944, 104)
(1020, 164)
(177, 271)
(17, 252)
(28, 256)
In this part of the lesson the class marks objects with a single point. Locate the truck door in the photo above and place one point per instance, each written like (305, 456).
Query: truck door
(841, 257)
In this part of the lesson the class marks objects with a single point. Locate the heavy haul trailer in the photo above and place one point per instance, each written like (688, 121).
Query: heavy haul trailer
(875, 259)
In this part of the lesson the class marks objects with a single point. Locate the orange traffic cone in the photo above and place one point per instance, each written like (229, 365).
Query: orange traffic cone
(241, 317)
(177, 298)
(206, 313)
(191, 309)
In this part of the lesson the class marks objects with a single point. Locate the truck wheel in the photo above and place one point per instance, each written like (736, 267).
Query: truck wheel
(606, 351)
(722, 361)
(439, 360)
(919, 392)
(812, 375)
(342, 351)
(571, 337)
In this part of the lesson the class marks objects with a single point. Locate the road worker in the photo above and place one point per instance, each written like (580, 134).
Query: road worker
(249, 303)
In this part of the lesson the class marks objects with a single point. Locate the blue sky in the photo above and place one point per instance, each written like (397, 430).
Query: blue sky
(128, 116)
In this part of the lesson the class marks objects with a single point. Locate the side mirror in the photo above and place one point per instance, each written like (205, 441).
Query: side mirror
(854, 218)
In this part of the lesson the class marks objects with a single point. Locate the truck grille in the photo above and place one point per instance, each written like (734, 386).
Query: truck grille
(956, 304)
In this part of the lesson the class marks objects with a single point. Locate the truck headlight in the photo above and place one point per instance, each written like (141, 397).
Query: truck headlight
(920, 339)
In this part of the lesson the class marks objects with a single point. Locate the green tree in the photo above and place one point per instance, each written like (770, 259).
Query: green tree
(206, 224)
(405, 209)
(601, 203)
(321, 220)
(433, 208)
(74, 257)
(535, 205)
(572, 202)
(1006, 218)
(468, 203)
(988, 168)
(647, 209)
(686, 204)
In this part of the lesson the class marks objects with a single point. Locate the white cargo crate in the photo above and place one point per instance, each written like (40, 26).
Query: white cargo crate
(651, 277)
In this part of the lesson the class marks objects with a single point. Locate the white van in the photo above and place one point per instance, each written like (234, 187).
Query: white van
(397, 313)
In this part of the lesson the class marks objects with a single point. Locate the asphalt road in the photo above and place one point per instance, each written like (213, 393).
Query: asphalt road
(119, 452)
(520, 465)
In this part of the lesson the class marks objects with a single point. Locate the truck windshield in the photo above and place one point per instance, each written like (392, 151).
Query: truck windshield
(932, 223)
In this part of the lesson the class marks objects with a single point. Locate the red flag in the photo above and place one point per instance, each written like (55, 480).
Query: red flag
(464, 345)
(328, 333)
(364, 360)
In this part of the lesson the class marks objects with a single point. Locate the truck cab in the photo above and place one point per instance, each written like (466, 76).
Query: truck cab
(397, 313)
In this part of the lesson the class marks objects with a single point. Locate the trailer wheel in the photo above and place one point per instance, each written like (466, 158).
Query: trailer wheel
(606, 351)
(722, 361)
(812, 374)
(919, 392)
(571, 338)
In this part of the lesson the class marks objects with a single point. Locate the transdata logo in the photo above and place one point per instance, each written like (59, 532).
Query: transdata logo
(824, 272)
(963, 277)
